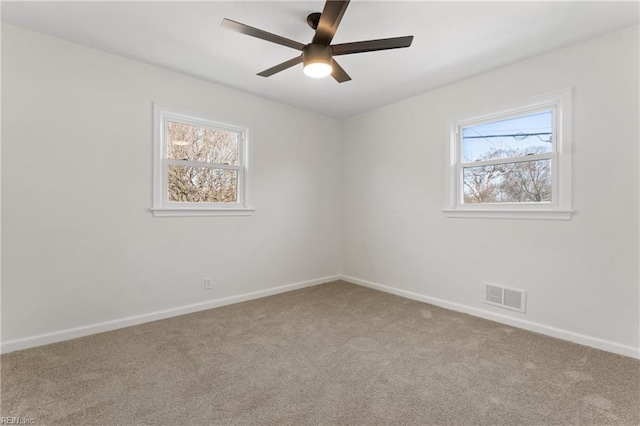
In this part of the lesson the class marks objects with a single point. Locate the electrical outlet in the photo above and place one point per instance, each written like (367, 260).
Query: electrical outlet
(208, 282)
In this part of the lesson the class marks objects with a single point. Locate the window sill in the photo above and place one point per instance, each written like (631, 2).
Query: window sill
(509, 214)
(200, 212)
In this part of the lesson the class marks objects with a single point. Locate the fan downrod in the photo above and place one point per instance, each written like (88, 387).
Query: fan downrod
(313, 19)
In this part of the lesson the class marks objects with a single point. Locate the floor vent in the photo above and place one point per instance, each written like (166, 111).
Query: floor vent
(508, 298)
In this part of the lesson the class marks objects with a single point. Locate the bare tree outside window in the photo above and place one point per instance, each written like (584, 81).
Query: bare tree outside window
(193, 183)
(507, 145)
(517, 182)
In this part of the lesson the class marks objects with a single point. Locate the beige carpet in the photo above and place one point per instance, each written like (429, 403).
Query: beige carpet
(332, 354)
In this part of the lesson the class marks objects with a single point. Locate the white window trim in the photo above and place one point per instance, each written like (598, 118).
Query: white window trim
(560, 207)
(162, 207)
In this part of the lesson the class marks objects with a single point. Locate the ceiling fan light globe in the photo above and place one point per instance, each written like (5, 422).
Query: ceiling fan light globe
(318, 69)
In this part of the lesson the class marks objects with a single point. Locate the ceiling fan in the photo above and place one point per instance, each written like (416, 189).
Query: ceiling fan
(317, 56)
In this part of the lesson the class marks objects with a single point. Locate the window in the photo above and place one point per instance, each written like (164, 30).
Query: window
(200, 165)
(512, 162)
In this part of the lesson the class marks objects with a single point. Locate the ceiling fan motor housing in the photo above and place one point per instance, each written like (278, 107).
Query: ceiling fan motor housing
(313, 19)
(314, 53)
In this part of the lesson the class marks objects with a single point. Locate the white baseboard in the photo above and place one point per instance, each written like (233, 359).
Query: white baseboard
(582, 339)
(62, 335)
(72, 333)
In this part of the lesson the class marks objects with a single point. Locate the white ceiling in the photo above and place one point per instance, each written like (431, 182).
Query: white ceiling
(453, 41)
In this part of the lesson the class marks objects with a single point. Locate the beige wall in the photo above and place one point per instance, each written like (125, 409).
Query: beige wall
(581, 276)
(79, 245)
(81, 252)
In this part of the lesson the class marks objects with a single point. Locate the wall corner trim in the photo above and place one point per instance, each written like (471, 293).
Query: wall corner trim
(558, 333)
(86, 330)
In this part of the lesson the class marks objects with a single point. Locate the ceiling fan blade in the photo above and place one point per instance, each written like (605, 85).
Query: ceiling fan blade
(339, 73)
(255, 32)
(281, 67)
(372, 45)
(329, 21)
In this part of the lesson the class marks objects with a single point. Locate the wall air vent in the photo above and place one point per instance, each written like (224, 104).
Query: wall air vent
(508, 298)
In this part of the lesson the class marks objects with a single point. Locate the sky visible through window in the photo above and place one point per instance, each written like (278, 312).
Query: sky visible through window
(523, 135)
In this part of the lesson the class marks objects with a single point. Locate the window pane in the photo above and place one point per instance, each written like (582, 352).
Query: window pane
(523, 182)
(514, 137)
(192, 143)
(189, 184)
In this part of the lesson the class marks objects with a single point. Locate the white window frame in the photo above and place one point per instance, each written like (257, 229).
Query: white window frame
(559, 208)
(162, 207)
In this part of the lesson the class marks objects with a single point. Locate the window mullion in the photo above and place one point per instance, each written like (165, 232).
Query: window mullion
(202, 164)
(521, 159)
